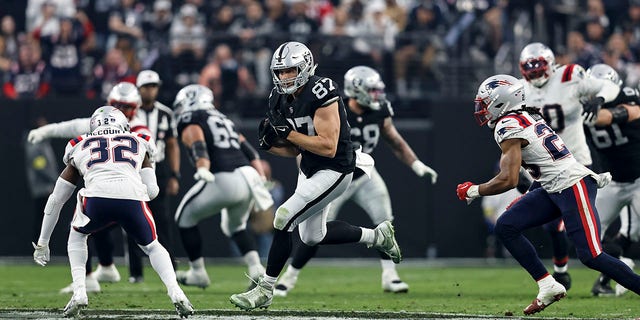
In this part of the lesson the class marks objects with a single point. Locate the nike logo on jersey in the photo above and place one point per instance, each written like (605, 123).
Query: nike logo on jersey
(281, 128)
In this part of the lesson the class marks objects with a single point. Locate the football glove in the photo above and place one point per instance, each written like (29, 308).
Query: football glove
(467, 191)
(266, 135)
(204, 174)
(591, 107)
(279, 123)
(422, 170)
(41, 254)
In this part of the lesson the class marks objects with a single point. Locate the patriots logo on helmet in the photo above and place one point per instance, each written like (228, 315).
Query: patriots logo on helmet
(496, 83)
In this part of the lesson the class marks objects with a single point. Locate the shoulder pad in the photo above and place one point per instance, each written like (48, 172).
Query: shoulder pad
(510, 125)
(573, 72)
(389, 108)
(144, 136)
(75, 141)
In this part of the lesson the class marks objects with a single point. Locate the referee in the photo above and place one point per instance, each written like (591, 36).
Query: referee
(160, 121)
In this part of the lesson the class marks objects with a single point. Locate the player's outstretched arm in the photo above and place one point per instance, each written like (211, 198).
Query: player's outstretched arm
(620, 114)
(65, 129)
(65, 185)
(403, 151)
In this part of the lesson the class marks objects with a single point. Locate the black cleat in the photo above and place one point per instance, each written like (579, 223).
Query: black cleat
(564, 278)
(600, 289)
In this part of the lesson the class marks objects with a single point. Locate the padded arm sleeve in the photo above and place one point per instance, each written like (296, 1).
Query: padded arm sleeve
(148, 176)
(66, 129)
(61, 193)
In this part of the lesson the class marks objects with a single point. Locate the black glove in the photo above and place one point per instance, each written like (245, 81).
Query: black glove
(279, 123)
(591, 107)
(266, 135)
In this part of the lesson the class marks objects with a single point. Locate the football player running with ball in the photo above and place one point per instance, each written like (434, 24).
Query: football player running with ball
(306, 110)
(568, 189)
(369, 115)
(119, 180)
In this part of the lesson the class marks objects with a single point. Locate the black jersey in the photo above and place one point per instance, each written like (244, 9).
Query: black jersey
(618, 144)
(222, 140)
(317, 93)
(366, 127)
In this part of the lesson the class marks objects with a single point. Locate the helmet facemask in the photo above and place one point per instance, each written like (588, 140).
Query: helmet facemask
(536, 71)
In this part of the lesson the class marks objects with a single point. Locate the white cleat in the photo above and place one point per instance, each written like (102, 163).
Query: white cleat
(258, 297)
(285, 283)
(107, 273)
(620, 290)
(192, 277)
(392, 283)
(546, 297)
(75, 305)
(385, 241)
(184, 308)
(91, 284)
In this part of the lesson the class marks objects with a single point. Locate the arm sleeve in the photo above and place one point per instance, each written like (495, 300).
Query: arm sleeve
(61, 193)
(66, 129)
(590, 87)
(148, 176)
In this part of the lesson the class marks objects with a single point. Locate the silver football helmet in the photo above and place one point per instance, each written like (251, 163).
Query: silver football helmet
(125, 96)
(496, 96)
(537, 63)
(193, 97)
(365, 85)
(108, 117)
(606, 72)
(292, 55)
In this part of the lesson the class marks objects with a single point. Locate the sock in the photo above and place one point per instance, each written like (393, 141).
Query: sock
(161, 263)
(252, 258)
(197, 264)
(271, 281)
(244, 241)
(303, 254)
(192, 242)
(547, 281)
(617, 270)
(293, 271)
(368, 236)
(387, 265)
(562, 269)
(339, 232)
(78, 253)
(278, 253)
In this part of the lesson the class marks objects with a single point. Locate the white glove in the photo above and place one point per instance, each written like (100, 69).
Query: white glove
(204, 174)
(36, 135)
(422, 169)
(603, 179)
(41, 254)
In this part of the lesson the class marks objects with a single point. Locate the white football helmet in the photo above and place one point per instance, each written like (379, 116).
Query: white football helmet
(606, 72)
(537, 63)
(108, 117)
(125, 96)
(193, 97)
(496, 96)
(292, 55)
(365, 85)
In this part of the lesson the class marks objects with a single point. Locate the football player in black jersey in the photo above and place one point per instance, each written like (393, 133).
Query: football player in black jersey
(228, 180)
(615, 135)
(306, 110)
(369, 115)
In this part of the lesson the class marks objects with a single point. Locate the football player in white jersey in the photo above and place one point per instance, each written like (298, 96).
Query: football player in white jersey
(568, 189)
(615, 136)
(126, 98)
(560, 92)
(119, 179)
(370, 116)
(227, 182)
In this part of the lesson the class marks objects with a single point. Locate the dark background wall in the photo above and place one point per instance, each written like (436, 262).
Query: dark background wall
(428, 217)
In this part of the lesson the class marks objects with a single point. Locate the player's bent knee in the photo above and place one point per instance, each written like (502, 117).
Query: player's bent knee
(505, 231)
(311, 240)
(147, 249)
(229, 229)
(281, 218)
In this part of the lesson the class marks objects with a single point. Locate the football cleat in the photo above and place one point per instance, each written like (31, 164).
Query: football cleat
(75, 305)
(193, 277)
(184, 308)
(391, 282)
(107, 273)
(385, 241)
(285, 283)
(258, 297)
(564, 278)
(545, 298)
(602, 289)
(620, 290)
(91, 284)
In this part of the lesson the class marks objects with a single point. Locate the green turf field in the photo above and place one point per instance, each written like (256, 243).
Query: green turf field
(324, 290)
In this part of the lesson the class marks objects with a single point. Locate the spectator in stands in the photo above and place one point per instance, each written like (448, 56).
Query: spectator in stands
(227, 78)
(188, 43)
(125, 21)
(298, 26)
(253, 30)
(618, 55)
(47, 22)
(39, 11)
(5, 59)
(63, 53)
(28, 77)
(155, 26)
(111, 71)
(595, 33)
(397, 13)
(581, 52)
(631, 25)
(8, 31)
(277, 14)
(99, 15)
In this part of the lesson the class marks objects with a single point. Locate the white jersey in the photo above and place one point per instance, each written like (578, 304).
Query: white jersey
(110, 161)
(546, 157)
(560, 102)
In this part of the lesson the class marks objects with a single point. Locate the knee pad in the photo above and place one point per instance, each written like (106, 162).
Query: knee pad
(281, 218)
(311, 239)
(77, 241)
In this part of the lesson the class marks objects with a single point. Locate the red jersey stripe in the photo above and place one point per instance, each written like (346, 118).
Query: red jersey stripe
(568, 71)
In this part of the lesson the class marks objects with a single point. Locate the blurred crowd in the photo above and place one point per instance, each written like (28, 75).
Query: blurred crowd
(421, 47)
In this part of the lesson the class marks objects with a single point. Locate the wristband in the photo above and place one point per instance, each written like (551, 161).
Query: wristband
(620, 114)
(175, 175)
(474, 191)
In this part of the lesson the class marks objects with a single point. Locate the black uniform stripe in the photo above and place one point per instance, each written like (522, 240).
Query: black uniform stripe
(314, 201)
(189, 201)
(280, 52)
